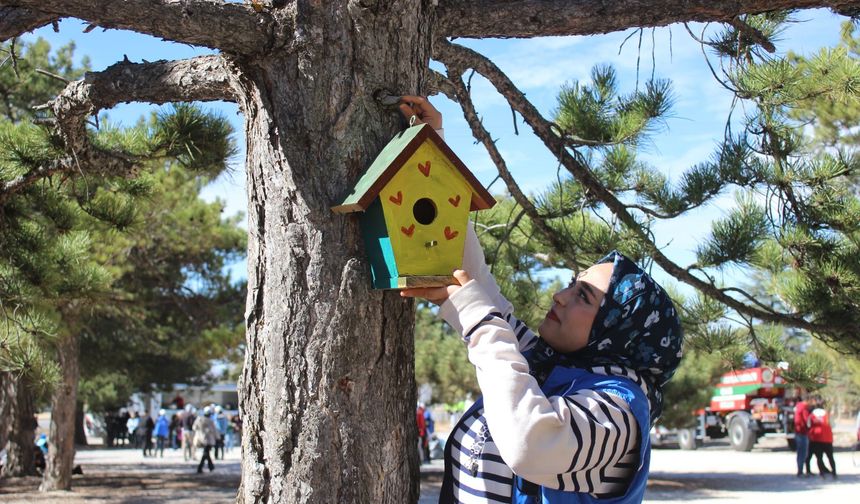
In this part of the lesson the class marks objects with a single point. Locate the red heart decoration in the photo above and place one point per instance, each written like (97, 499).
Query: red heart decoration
(424, 168)
(450, 235)
(408, 231)
(455, 201)
(397, 200)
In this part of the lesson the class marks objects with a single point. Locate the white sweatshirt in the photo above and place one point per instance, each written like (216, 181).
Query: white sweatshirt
(587, 441)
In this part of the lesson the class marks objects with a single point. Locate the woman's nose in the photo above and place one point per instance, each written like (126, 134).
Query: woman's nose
(561, 296)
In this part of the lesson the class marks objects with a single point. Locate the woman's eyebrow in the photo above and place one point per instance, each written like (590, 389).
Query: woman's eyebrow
(587, 289)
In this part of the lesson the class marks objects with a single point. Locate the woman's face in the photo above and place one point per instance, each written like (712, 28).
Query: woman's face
(568, 323)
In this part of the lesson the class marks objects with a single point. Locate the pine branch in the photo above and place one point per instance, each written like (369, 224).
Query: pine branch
(17, 184)
(204, 78)
(453, 55)
(14, 21)
(753, 33)
(461, 96)
(231, 27)
(533, 18)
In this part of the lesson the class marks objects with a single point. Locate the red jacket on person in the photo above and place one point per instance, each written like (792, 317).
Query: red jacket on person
(419, 420)
(801, 418)
(819, 427)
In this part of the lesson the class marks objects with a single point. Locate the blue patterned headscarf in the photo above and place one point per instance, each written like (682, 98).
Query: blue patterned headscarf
(636, 328)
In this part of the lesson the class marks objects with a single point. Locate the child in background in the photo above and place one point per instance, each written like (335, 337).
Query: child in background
(821, 438)
(564, 417)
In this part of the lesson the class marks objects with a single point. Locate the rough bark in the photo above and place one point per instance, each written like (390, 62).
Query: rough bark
(328, 386)
(538, 18)
(14, 21)
(61, 439)
(20, 444)
(231, 27)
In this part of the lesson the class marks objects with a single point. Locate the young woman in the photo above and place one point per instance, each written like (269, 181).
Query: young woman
(565, 416)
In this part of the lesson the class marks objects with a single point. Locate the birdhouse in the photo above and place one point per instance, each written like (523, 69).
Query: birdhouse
(415, 201)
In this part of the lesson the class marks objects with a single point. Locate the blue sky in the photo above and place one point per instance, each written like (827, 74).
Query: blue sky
(539, 67)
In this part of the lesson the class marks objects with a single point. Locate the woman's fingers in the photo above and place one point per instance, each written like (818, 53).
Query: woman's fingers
(461, 276)
(409, 112)
(437, 295)
(431, 294)
(422, 109)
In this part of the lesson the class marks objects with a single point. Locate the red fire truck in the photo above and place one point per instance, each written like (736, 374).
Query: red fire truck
(746, 405)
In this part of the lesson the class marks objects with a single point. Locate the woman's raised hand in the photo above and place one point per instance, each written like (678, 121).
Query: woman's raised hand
(422, 109)
(438, 295)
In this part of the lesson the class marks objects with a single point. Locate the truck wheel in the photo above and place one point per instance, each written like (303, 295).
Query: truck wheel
(687, 439)
(740, 435)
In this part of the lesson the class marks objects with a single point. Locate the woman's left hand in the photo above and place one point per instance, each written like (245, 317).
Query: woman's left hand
(438, 295)
(422, 109)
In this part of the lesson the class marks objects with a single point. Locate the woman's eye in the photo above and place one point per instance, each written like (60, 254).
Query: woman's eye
(583, 295)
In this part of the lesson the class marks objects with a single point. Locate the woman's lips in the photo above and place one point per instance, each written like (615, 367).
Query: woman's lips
(552, 316)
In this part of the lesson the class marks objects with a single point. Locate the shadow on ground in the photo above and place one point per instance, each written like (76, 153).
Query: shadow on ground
(694, 486)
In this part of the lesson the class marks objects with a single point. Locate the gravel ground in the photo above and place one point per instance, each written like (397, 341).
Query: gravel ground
(718, 475)
(714, 475)
(125, 476)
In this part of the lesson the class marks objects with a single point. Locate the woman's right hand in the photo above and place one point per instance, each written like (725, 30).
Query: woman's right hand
(422, 109)
(437, 295)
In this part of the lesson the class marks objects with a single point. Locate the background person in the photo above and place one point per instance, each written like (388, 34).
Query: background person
(162, 432)
(131, 426)
(821, 438)
(801, 438)
(205, 435)
(221, 424)
(187, 422)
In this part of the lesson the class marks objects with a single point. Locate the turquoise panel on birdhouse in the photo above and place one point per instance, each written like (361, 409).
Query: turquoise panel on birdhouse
(380, 254)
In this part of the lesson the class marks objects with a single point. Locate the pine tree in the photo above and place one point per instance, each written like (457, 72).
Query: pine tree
(27, 326)
(76, 247)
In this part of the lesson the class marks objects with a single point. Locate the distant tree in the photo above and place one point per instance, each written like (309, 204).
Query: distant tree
(81, 246)
(27, 370)
(834, 121)
(440, 359)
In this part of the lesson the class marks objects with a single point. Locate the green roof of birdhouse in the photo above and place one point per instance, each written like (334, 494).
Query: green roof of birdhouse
(392, 158)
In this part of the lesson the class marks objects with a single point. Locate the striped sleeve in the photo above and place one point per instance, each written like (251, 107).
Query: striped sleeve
(554, 441)
(525, 337)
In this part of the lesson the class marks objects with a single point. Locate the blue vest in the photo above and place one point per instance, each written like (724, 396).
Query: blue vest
(564, 381)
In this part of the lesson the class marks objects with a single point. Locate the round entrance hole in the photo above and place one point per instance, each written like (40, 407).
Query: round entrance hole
(424, 211)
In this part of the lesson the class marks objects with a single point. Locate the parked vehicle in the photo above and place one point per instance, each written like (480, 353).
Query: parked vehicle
(746, 405)
(662, 437)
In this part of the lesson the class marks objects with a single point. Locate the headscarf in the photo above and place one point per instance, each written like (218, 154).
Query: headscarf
(636, 327)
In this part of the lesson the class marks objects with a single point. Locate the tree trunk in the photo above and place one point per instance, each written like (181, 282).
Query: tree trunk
(21, 436)
(61, 440)
(327, 391)
(5, 419)
(80, 433)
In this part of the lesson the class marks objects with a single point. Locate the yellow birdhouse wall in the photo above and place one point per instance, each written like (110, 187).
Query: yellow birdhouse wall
(426, 206)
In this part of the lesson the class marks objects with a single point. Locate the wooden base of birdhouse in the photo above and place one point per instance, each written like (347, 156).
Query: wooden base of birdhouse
(410, 282)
